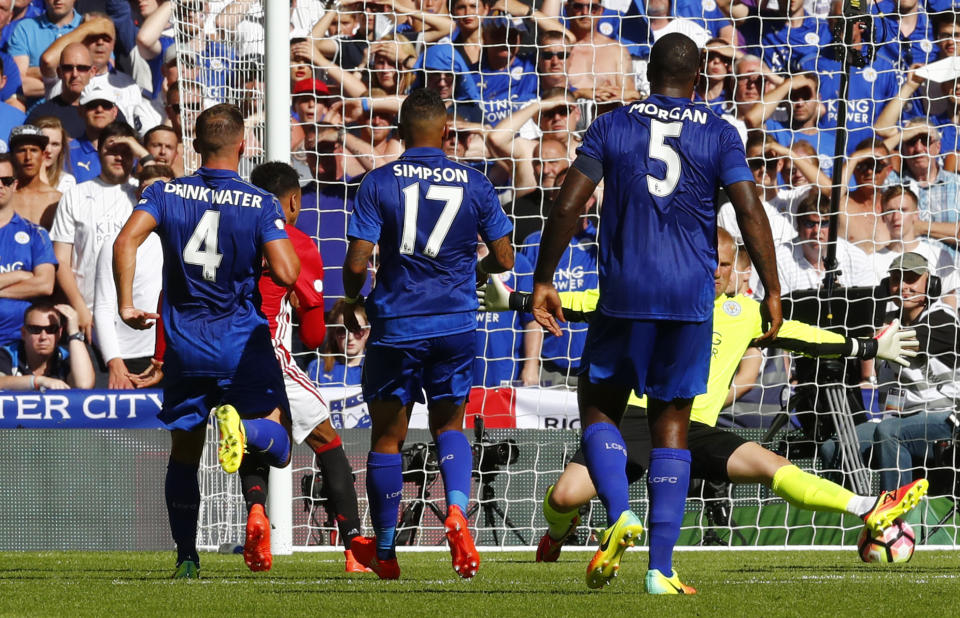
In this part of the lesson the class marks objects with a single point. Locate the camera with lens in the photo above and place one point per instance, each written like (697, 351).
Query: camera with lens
(311, 487)
(420, 464)
(489, 456)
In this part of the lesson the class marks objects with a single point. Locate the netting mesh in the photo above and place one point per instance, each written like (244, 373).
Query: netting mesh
(521, 93)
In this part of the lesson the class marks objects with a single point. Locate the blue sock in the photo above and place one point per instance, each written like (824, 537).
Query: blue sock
(667, 483)
(456, 463)
(182, 493)
(268, 438)
(384, 488)
(606, 457)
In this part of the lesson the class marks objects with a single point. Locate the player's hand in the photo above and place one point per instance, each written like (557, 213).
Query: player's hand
(119, 376)
(151, 376)
(496, 296)
(897, 345)
(547, 309)
(138, 318)
(771, 316)
(350, 321)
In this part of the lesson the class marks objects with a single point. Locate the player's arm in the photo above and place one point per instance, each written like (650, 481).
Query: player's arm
(746, 377)
(307, 296)
(354, 276)
(561, 225)
(134, 232)
(577, 306)
(283, 261)
(499, 259)
(892, 343)
(755, 229)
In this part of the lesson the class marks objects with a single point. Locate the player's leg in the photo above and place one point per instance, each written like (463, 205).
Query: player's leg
(448, 375)
(337, 475)
(562, 502)
(182, 495)
(310, 419)
(678, 372)
(186, 405)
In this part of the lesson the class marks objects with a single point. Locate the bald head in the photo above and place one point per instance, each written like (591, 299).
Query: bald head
(75, 53)
(674, 63)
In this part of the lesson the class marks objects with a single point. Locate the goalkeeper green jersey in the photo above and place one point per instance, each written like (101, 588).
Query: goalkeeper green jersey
(736, 323)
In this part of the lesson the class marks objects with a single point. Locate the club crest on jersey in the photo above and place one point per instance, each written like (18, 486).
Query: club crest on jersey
(732, 308)
(22, 237)
(279, 223)
(811, 38)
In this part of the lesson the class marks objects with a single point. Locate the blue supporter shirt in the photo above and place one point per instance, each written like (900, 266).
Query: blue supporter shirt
(783, 45)
(869, 90)
(23, 246)
(10, 117)
(662, 161)
(500, 333)
(502, 92)
(823, 140)
(340, 375)
(213, 227)
(323, 216)
(32, 11)
(31, 37)
(577, 271)
(425, 212)
(84, 160)
(12, 72)
(902, 51)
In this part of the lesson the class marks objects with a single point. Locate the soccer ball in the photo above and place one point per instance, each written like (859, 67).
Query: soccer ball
(895, 544)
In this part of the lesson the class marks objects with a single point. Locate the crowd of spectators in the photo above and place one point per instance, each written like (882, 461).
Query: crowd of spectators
(98, 95)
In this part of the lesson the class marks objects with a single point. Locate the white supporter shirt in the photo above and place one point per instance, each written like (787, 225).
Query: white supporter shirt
(780, 224)
(688, 27)
(796, 273)
(88, 215)
(114, 338)
(941, 262)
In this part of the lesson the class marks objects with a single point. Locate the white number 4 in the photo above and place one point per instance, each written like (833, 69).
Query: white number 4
(205, 235)
(662, 187)
(452, 195)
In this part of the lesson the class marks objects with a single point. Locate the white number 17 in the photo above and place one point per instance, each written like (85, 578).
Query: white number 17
(451, 195)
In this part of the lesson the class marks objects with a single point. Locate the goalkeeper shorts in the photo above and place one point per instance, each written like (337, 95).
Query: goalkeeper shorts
(710, 449)
(665, 359)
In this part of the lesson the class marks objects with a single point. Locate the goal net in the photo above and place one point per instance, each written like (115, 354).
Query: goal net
(524, 82)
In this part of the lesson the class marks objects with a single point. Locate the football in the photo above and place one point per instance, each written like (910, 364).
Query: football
(895, 544)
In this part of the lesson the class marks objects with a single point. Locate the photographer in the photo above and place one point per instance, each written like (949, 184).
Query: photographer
(920, 398)
(51, 354)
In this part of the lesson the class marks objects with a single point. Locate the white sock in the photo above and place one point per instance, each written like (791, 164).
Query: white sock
(860, 505)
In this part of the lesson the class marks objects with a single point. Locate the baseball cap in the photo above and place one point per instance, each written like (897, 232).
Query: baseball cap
(505, 22)
(910, 262)
(28, 133)
(311, 86)
(96, 92)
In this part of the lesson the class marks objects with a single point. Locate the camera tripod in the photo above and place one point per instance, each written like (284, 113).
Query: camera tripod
(489, 458)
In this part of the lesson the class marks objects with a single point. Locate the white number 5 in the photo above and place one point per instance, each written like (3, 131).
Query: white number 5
(205, 235)
(662, 187)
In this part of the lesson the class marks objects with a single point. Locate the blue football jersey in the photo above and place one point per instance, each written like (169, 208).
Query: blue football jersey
(425, 212)
(213, 226)
(783, 45)
(663, 160)
(23, 246)
(503, 92)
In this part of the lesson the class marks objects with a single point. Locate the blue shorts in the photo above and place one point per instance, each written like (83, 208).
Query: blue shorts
(663, 359)
(255, 390)
(441, 366)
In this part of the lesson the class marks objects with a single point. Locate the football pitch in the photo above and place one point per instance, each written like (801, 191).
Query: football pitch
(730, 583)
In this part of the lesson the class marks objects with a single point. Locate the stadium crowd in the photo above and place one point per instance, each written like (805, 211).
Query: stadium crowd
(98, 99)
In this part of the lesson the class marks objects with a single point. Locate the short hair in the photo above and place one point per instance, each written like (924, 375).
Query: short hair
(218, 127)
(758, 138)
(155, 171)
(421, 108)
(5, 157)
(159, 129)
(815, 202)
(675, 58)
(924, 123)
(275, 177)
(551, 37)
(45, 306)
(117, 128)
(896, 191)
(874, 143)
(802, 146)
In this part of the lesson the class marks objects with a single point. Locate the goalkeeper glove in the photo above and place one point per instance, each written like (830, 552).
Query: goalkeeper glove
(496, 296)
(891, 344)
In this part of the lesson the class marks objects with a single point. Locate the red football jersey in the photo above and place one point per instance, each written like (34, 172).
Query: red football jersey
(308, 288)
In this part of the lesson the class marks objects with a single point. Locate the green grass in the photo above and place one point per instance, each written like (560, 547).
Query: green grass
(755, 584)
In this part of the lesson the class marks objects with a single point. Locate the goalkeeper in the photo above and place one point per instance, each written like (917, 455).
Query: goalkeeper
(719, 455)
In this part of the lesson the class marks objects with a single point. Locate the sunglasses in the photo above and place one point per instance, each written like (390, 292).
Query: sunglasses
(81, 68)
(727, 60)
(36, 329)
(809, 224)
(8, 180)
(562, 55)
(757, 163)
(871, 165)
(584, 7)
(923, 138)
(105, 105)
